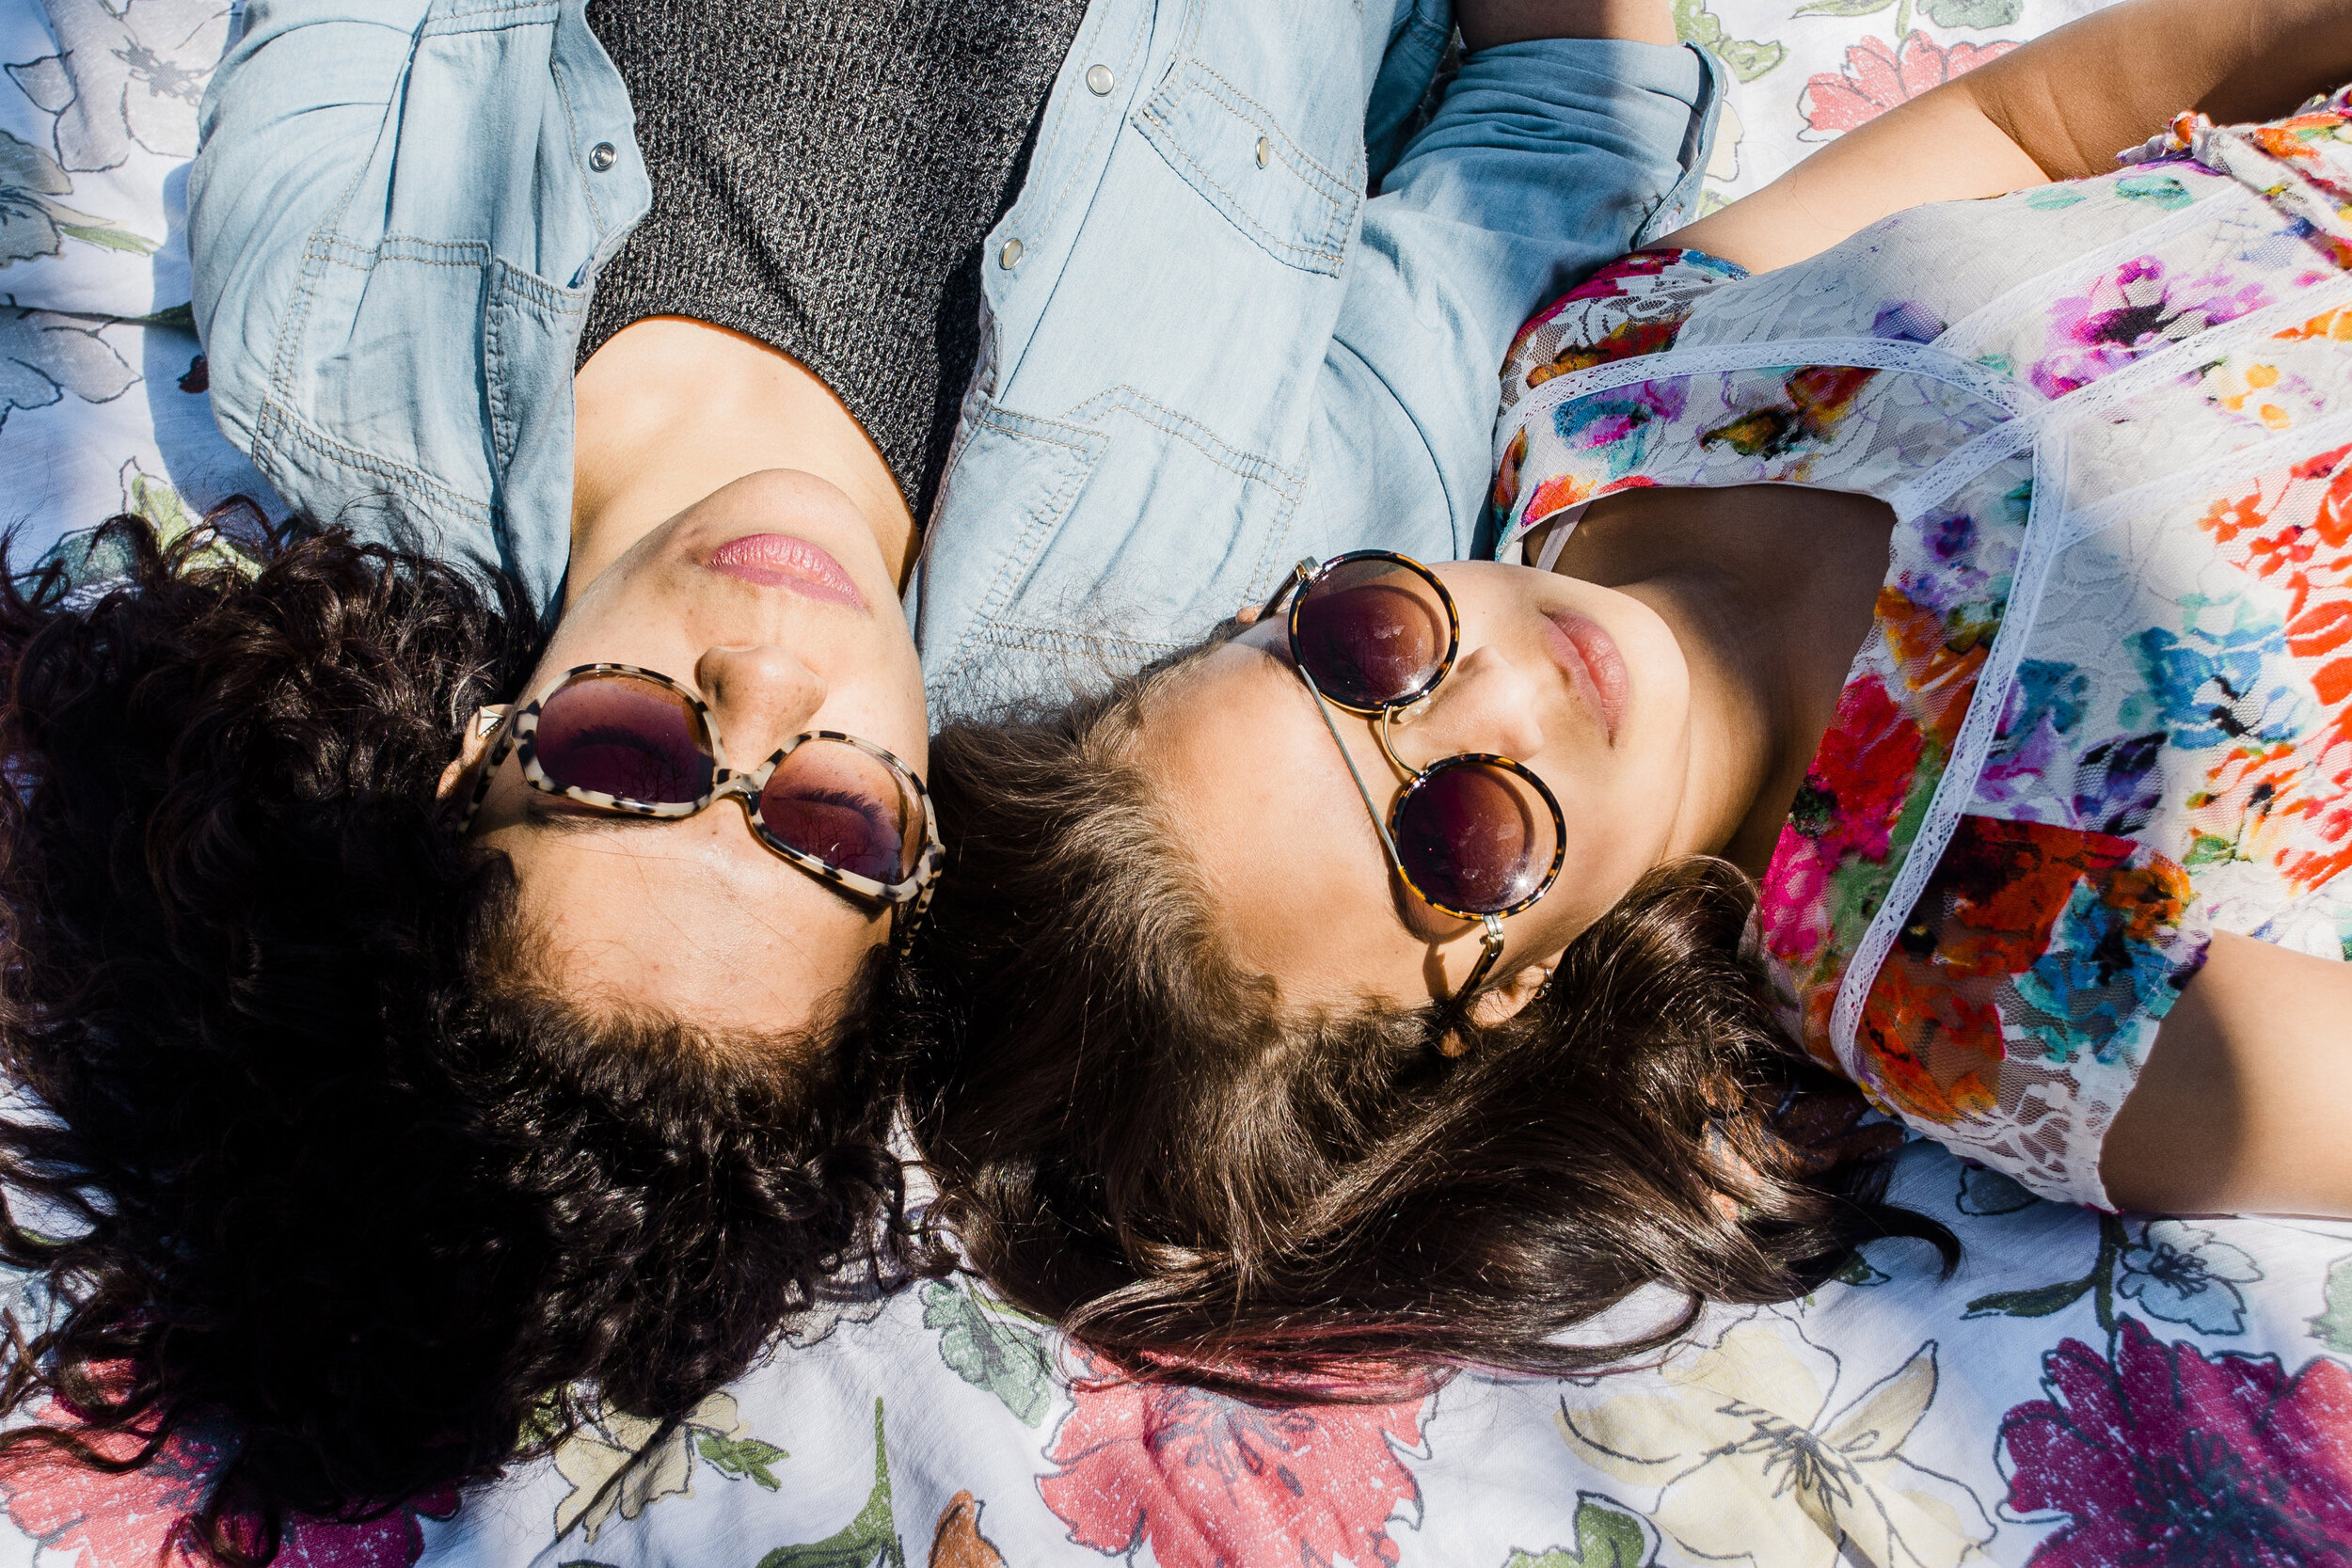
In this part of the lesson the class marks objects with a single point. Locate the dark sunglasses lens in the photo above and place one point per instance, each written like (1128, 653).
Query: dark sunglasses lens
(624, 736)
(847, 809)
(1373, 632)
(1476, 839)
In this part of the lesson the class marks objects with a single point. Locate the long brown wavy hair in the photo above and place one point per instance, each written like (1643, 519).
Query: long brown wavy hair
(315, 1147)
(1133, 1137)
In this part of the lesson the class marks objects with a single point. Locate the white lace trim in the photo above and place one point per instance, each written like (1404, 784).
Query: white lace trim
(1867, 354)
(1958, 785)
(2263, 457)
(2089, 402)
(1963, 464)
(1562, 524)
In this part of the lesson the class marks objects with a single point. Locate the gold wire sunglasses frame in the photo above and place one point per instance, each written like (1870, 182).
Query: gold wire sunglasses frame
(518, 731)
(1297, 587)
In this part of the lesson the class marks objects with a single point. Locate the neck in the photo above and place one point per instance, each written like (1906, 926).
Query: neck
(670, 409)
(1770, 590)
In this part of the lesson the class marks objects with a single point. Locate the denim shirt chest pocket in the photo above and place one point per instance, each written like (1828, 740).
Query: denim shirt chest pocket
(1291, 178)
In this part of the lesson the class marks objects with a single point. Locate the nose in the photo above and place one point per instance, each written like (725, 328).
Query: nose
(761, 695)
(1487, 703)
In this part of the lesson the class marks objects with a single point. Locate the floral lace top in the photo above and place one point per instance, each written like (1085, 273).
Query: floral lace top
(2107, 706)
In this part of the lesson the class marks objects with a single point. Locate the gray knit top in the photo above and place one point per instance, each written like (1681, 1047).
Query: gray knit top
(823, 173)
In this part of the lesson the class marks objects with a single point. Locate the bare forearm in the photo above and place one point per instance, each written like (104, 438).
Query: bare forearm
(2246, 1100)
(1487, 23)
(2113, 79)
(2058, 109)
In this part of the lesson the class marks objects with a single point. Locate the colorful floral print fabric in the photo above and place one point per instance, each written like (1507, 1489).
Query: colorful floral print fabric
(2085, 1390)
(2106, 707)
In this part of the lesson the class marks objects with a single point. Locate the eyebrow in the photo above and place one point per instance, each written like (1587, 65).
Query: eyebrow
(1395, 893)
(541, 810)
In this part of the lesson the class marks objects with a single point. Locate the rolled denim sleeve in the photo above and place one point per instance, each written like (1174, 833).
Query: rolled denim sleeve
(1552, 137)
(293, 115)
(1546, 160)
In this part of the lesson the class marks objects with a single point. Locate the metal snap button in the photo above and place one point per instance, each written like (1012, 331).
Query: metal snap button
(1010, 256)
(1265, 151)
(604, 155)
(1100, 81)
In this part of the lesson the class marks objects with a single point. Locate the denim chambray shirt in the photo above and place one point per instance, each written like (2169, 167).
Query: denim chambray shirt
(1207, 353)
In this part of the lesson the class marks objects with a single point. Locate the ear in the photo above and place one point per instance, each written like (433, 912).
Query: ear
(1498, 1003)
(480, 730)
(1249, 614)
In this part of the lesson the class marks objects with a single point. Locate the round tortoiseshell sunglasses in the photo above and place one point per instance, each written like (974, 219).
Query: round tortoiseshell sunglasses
(623, 740)
(1475, 836)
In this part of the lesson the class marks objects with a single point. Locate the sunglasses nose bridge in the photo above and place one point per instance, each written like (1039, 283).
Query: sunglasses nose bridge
(742, 788)
(1392, 717)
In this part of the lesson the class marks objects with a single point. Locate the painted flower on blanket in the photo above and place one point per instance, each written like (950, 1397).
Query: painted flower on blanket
(1760, 1461)
(2182, 1275)
(2165, 1456)
(1205, 1480)
(145, 1518)
(622, 1463)
(1877, 76)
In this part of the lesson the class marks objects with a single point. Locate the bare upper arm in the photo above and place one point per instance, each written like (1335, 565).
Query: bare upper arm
(2243, 1103)
(1937, 147)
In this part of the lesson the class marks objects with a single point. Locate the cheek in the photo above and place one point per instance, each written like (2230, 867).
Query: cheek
(884, 705)
(1620, 826)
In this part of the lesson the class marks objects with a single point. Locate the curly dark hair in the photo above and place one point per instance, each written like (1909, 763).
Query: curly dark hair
(1133, 1136)
(313, 1146)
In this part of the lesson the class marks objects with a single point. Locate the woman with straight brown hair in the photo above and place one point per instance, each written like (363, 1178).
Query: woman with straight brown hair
(1925, 674)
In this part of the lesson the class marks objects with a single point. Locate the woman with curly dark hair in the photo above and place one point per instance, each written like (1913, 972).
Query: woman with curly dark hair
(1927, 666)
(324, 1139)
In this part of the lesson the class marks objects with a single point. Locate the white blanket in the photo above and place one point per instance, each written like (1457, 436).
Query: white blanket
(2086, 1390)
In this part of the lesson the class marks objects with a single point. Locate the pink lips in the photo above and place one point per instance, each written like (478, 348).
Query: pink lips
(786, 561)
(1590, 657)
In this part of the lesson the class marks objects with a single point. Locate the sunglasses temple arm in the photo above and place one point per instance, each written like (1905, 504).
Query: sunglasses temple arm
(910, 918)
(1303, 572)
(1491, 949)
(1379, 823)
(489, 766)
(1490, 946)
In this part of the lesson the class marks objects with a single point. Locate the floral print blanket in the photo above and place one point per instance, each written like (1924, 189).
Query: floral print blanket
(2084, 1390)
